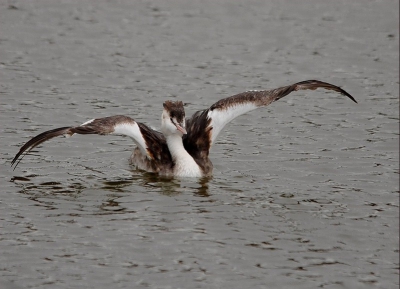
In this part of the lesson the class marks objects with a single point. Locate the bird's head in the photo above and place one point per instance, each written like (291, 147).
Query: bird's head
(173, 118)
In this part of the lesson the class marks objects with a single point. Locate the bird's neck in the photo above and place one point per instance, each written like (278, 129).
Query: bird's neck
(185, 165)
(176, 148)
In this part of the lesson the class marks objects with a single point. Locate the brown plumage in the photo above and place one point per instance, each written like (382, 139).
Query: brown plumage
(185, 143)
(176, 109)
(265, 97)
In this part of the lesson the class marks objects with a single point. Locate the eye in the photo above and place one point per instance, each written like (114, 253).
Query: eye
(172, 120)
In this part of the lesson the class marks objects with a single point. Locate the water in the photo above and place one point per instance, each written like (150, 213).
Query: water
(304, 193)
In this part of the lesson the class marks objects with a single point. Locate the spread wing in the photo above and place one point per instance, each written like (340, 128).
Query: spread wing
(204, 126)
(151, 143)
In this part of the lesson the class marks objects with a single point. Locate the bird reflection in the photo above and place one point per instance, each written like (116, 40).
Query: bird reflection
(174, 186)
(45, 193)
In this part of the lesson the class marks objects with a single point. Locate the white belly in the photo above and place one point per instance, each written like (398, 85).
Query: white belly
(187, 168)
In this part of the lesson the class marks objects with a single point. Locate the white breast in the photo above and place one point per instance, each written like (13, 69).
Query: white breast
(187, 167)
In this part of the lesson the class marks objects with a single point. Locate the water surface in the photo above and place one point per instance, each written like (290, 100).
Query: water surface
(304, 193)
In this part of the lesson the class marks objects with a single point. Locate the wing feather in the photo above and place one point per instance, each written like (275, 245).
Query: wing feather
(118, 124)
(205, 126)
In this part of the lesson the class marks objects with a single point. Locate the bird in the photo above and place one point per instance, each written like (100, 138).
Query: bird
(181, 147)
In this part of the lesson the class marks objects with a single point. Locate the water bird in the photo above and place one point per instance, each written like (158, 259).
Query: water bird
(181, 147)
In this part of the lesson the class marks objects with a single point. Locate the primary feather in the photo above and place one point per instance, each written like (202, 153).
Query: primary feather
(182, 147)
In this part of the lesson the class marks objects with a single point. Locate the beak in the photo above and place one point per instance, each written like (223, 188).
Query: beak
(181, 129)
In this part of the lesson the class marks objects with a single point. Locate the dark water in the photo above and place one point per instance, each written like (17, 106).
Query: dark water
(305, 191)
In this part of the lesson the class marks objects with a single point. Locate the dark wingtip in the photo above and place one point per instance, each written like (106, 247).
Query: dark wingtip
(342, 91)
(352, 98)
(326, 85)
(37, 140)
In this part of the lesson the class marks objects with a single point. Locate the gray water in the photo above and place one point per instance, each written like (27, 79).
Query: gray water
(304, 192)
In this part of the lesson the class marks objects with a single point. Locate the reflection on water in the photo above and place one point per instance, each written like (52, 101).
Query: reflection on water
(165, 185)
(53, 187)
(171, 186)
(304, 193)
